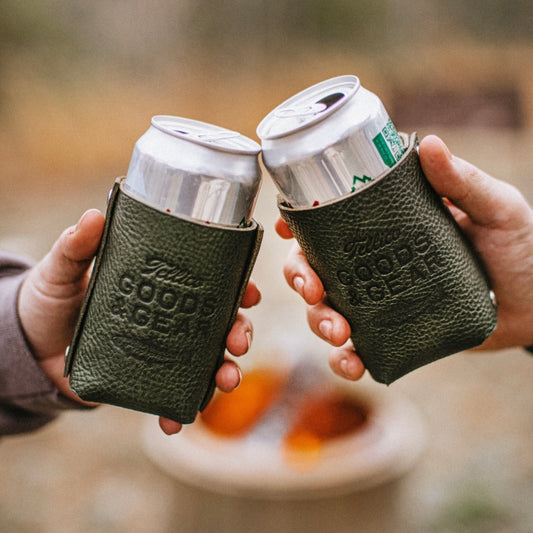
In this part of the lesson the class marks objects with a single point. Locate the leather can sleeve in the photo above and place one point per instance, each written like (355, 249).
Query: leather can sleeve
(162, 298)
(394, 262)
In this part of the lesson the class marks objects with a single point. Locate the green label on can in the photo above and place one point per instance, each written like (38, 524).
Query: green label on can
(388, 144)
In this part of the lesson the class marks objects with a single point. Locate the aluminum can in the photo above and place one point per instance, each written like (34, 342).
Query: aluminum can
(327, 141)
(190, 168)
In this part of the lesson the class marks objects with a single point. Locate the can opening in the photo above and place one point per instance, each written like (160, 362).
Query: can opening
(331, 99)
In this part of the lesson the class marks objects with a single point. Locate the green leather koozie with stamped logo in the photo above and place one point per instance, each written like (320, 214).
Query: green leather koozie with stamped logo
(394, 262)
(162, 298)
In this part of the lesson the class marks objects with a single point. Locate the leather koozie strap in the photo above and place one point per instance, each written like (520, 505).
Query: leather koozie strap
(395, 264)
(162, 298)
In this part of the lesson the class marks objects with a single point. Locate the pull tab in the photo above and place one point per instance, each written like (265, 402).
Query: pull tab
(302, 111)
(217, 137)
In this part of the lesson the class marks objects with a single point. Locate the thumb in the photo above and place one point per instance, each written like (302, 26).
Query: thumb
(72, 253)
(51, 295)
(282, 229)
(487, 201)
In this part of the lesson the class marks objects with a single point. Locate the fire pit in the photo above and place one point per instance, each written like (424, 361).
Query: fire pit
(293, 434)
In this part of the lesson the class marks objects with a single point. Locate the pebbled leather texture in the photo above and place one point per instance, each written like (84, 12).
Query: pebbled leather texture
(162, 298)
(394, 262)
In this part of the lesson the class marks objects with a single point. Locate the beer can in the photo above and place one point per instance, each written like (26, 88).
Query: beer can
(327, 141)
(190, 168)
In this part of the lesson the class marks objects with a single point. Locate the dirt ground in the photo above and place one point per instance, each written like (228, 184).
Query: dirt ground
(87, 472)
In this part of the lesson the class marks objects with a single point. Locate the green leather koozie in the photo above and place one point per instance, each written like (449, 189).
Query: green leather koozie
(163, 296)
(396, 265)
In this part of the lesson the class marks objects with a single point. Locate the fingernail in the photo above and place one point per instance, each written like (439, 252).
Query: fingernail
(325, 327)
(447, 150)
(348, 369)
(80, 222)
(240, 377)
(298, 283)
(343, 365)
(249, 338)
(73, 229)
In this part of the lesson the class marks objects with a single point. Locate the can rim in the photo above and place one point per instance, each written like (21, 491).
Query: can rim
(205, 134)
(348, 85)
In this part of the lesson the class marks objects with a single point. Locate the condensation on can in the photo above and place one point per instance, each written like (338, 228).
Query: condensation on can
(194, 169)
(327, 141)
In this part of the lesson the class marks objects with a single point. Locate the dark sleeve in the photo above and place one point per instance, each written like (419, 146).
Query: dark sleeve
(28, 399)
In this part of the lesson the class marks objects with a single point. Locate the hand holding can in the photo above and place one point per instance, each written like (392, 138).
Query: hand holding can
(177, 252)
(390, 255)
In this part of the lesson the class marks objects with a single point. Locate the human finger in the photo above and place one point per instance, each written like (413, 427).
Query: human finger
(252, 295)
(228, 376)
(51, 295)
(487, 201)
(328, 324)
(301, 277)
(72, 253)
(240, 337)
(282, 229)
(346, 363)
(170, 427)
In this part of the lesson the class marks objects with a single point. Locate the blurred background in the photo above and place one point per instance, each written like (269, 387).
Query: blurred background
(79, 82)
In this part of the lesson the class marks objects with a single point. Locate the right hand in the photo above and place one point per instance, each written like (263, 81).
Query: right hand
(499, 223)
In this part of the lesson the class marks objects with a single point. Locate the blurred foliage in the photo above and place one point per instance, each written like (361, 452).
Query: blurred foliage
(36, 27)
(356, 24)
(473, 511)
(41, 35)
(25, 23)
(490, 20)
(77, 73)
(130, 33)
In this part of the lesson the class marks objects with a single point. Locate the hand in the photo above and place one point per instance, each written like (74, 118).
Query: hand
(499, 223)
(323, 320)
(50, 299)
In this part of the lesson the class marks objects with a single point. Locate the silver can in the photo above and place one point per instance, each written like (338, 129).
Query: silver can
(190, 168)
(328, 141)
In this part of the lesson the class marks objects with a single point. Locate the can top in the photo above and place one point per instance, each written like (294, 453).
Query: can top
(308, 107)
(209, 135)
